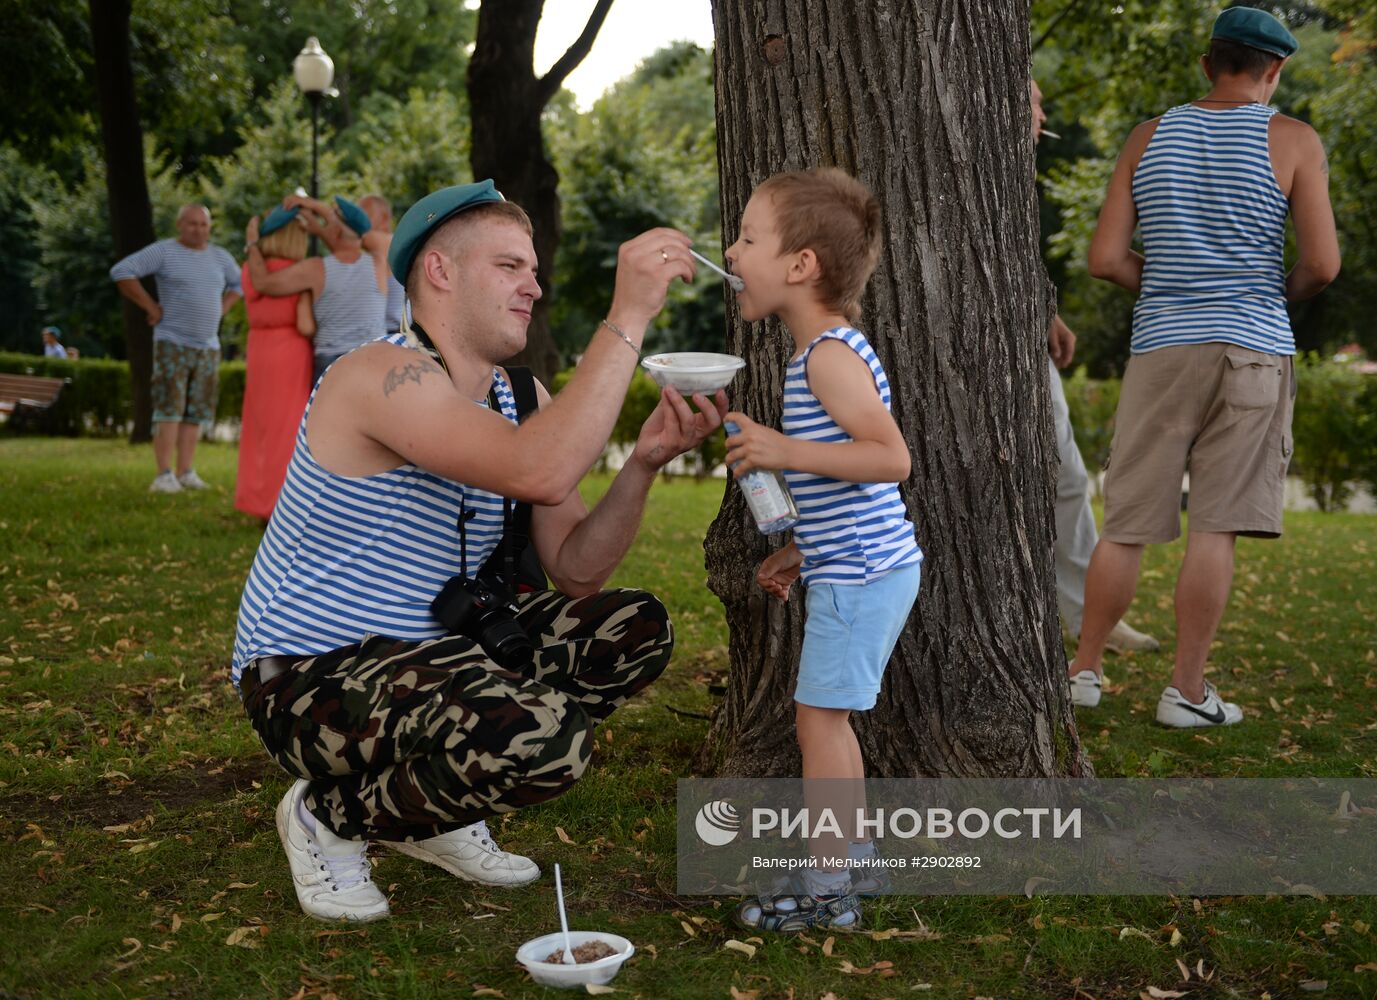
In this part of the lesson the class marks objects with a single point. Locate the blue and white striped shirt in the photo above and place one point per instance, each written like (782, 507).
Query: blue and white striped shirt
(849, 533)
(396, 305)
(191, 285)
(347, 556)
(1213, 222)
(350, 310)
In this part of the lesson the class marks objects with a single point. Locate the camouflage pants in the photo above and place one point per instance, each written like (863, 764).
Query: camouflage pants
(406, 740)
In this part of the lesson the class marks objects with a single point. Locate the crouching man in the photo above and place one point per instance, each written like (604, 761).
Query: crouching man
(407, 462)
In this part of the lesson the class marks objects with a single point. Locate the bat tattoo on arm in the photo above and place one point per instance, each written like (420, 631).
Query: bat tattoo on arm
(410, 372)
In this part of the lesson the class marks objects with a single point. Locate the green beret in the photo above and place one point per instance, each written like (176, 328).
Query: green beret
(278, 218)
(432, 211)
(1256, 29)
(354, 217)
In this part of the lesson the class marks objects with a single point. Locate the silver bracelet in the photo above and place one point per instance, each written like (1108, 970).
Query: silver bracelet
(621, 333)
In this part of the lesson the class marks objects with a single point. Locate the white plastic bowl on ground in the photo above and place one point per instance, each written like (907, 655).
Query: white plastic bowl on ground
(693, 371)
(533, 953)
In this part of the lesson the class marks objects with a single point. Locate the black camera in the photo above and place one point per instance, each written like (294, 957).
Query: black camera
(472, 608)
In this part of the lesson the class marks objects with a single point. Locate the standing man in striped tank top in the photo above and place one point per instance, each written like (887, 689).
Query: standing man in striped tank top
(396, 728)
(348, 286)
(1210, 385)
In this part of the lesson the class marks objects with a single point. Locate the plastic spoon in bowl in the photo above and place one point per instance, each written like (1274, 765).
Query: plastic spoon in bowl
(736, 283)
(563, 921)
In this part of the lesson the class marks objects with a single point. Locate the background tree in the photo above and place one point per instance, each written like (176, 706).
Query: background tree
(927, 103)
(506, 100)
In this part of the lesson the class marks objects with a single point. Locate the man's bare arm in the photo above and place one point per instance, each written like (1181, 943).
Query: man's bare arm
(1112, 257)
(1317, 243)
(133, 290)
(304, 276)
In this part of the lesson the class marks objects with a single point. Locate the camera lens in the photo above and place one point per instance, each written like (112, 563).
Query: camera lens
(506, 641)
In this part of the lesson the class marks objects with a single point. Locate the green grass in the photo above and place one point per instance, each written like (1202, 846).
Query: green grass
(115, 712)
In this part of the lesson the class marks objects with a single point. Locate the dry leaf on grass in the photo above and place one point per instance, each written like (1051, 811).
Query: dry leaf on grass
(559, 832)
(744, 994)
(1302, 889)
(688, 928)
(827, 946)
(176, 923)
(1031, 886)
(598, 991)
(1176, 938)
(1315, 985)
(1153, 993)
(1366, 967)
(488, 991)
(882, 969)
(731, 944)
(208, 917)
(245, 937)
(1185, 971)
(242, 885)
(135, 945)
(1129, 932)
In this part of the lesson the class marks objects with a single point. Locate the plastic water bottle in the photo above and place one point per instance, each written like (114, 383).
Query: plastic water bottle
(768, 496)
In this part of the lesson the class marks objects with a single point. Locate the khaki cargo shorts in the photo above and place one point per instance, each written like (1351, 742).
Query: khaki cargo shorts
(1221, 412)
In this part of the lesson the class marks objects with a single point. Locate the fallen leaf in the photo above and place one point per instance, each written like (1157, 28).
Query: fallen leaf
(488, 991)
(559, 832)
(744, 994)
(1366, 967)
(827, 946)
(1315, 985)
(208, 917)
(1153, 993)
(731, 944)
(1176, 938)
(1129, 932)
(126, 827)
(1276, 707)
(1185, 971)
(1301, 889)
(598, 991)
(688, 928)
(242, 885)
(136, 945)
(245, 937)
(1031, 885)
(140, 848)
(176, 923)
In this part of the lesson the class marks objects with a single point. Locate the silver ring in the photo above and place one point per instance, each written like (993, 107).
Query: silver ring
(664, 256)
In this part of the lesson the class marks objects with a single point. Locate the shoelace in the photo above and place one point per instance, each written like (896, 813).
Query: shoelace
(345, 873)
(479, 832)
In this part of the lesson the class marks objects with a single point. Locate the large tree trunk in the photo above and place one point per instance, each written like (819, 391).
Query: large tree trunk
(131, 211)
(927, 103)
(506, 99)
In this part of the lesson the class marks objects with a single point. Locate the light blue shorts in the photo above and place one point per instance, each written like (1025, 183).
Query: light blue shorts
(848, 637)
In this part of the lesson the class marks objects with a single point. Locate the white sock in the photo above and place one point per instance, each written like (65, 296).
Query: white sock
(828, 883)
(862, 849)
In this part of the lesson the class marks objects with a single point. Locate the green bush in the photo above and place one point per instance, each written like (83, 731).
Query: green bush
(1092, 403)
(98, 402)
(1334, 432)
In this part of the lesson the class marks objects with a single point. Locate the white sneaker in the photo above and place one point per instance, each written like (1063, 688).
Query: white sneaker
(1174, 710)
(191, 481)
(1123, 638)
(331, 875)
(470, 853)
(165, 483)
(1085, 689)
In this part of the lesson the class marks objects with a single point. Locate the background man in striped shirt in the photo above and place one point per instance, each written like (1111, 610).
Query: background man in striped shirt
(197, 283)
(1210, 384)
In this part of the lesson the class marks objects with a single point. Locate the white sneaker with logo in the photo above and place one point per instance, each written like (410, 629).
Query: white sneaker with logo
(470, 853)
(1174, 710)
(165, 483)
(190, 481)
(1085, 689)
(331, 875)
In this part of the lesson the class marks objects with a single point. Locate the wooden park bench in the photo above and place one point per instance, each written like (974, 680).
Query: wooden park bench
(25, 399)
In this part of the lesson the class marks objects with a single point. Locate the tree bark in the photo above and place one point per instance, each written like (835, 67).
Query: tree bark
(926, 101)
(506, 100)
(126, 184)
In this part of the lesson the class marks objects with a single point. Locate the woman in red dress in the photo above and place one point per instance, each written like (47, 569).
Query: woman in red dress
(278, 382)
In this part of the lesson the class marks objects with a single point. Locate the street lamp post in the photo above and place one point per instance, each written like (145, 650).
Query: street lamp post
(314, 72)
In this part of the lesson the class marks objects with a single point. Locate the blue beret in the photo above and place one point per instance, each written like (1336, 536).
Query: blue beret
(277, 218)
(354, 217)
(432, 211)
(1256, 29)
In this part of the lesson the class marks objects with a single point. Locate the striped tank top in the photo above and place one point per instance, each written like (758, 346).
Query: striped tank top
(347, 556)
(1213, 222)
(849, 533)
(350, 310)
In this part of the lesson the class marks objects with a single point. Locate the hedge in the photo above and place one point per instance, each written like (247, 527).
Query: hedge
(1335, 427)
(98, 402)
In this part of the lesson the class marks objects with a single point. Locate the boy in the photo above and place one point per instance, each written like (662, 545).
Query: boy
(809, 241)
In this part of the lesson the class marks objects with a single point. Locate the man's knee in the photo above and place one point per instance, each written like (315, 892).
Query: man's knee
(560, 756)
(651, 631)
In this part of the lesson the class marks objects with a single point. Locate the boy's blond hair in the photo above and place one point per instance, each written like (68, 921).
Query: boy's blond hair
(828, 211)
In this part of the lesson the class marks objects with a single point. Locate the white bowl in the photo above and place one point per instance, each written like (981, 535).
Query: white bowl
(532, 955)
(693, 371)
